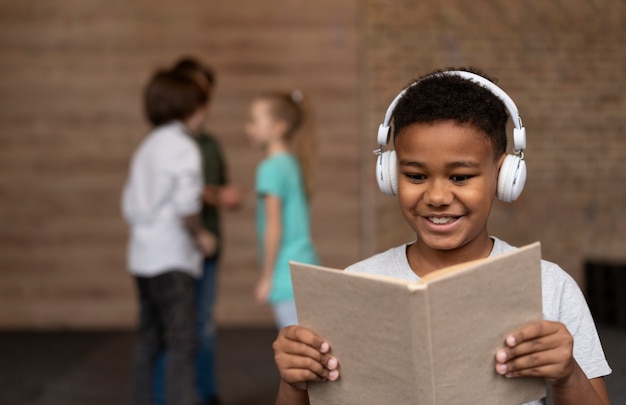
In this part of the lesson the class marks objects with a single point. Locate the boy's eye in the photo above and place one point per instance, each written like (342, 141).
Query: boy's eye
(461, 178)
(416, 178)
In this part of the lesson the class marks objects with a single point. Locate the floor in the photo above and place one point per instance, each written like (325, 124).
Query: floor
(92, 368)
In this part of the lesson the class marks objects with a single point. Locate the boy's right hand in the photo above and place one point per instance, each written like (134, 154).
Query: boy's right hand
(302, 356)
(231, 197)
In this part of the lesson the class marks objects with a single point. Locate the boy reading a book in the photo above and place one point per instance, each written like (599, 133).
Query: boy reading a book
(449, 165)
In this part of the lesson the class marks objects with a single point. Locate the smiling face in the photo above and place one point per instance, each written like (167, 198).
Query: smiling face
(447, 179)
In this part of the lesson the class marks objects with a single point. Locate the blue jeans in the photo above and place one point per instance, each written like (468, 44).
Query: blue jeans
(206, 288)
(166, 321)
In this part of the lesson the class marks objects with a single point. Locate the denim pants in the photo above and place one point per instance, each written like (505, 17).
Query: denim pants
(206, 385)
(166, 322)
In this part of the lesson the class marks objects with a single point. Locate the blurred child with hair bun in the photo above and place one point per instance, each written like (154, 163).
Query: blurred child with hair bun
(283, 188)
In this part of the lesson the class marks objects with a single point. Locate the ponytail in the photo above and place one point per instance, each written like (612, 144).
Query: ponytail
(305, 145)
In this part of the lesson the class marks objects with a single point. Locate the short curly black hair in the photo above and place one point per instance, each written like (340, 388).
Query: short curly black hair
(447, 97)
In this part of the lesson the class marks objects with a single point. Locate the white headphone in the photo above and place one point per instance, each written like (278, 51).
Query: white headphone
(512, 175)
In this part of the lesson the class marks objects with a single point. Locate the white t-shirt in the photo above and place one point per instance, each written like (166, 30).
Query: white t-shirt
(164, 186)
(562, 302)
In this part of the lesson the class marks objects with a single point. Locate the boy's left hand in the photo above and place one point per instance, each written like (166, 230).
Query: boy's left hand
(540, 349)
(207, 241)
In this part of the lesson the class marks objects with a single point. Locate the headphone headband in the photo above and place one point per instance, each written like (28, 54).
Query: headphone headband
(519, 132)
(512, 171)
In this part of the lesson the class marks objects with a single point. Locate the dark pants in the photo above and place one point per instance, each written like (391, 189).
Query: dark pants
(167, 321)
(206, 291)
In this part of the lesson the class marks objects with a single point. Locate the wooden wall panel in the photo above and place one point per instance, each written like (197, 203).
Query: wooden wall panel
(565, 67)
(71, 77)
(70, 117)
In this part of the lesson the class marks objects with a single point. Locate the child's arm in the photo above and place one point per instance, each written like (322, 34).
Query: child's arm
(301, 356)
(228, 196)
(545, 349)
(273, 234)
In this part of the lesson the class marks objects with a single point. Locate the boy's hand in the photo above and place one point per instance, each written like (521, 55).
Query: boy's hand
(303, 356)
(540, 349)
(207, 242)
(231, 197)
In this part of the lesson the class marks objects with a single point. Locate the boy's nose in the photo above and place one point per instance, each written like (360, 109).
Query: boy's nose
(438, 194)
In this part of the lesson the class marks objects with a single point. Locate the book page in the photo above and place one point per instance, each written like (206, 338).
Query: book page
(472, 311)
(367, 321)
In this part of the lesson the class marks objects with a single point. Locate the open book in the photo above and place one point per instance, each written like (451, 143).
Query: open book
(427, 342)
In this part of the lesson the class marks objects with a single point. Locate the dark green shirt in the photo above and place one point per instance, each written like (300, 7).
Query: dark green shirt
(214, 171)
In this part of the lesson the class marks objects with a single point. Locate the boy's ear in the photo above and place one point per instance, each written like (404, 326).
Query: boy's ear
(500, 161)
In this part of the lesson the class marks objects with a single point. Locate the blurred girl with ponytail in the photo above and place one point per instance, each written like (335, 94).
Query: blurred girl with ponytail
(283, 188)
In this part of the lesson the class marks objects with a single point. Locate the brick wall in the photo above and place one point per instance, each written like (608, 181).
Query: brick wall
(70, 117)
(564, 64)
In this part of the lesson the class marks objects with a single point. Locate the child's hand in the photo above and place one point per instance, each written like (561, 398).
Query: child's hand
(230, 197)
(207, 242)
(303, 356)
(540, 349)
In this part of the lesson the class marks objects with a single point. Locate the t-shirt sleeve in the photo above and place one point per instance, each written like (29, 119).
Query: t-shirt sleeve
(186, 168)
(568, 306)
(269, 180)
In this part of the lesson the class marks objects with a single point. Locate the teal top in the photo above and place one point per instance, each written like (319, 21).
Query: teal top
(280, 176)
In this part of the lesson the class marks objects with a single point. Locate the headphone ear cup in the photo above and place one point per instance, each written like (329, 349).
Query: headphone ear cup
(511, 178)
(387, 173)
